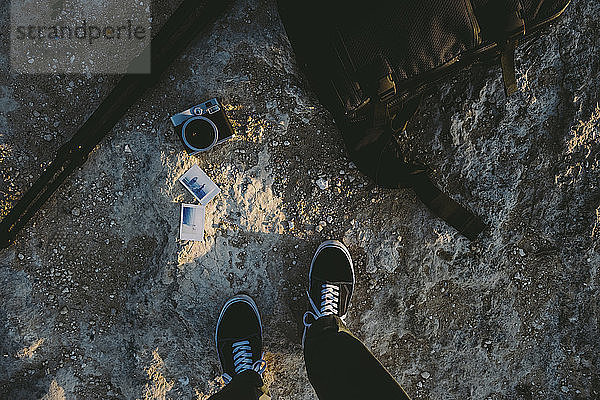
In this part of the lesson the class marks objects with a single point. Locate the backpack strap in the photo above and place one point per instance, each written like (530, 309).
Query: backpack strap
(507, 62)
(376, 152)
(506, 30)
(458, 216)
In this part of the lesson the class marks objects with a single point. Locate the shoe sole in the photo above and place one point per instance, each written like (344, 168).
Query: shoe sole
(341, 246)
(235, 299)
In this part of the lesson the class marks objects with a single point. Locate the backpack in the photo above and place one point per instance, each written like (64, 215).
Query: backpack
(371, 63)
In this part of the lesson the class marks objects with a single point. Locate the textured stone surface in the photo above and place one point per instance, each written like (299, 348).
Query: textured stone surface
(100, 299)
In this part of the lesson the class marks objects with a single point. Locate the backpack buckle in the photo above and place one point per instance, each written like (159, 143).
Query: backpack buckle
(378, 80)
(386, 89)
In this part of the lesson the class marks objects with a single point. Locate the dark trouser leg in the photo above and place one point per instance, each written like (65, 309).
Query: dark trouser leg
(246, 386)
(339, 366)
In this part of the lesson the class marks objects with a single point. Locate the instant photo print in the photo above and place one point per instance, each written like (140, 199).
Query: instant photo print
(199, 184)
(191, 225)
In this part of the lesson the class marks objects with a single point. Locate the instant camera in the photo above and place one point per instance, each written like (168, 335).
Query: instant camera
(203, 126)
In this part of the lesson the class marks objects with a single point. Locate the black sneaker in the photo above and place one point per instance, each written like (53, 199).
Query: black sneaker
(331, 281)
(239, 337)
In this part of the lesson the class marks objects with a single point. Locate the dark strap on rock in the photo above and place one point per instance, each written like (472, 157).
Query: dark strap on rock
(462, 219)
(507, 61)
(508, 31)
(377, 154)
(185, 23)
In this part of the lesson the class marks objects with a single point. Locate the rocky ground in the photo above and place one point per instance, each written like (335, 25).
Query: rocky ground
(100, 300)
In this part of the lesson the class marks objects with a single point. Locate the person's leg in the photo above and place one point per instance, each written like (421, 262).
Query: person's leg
(239, 344)
(338, 365)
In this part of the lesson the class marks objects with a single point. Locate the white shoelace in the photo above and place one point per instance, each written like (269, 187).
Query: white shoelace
(330, 296)
(242, 360)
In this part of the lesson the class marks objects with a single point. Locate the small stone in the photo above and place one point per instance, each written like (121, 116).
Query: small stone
(48, 138)
(564, 389)
(127, 149)
(63, 311)
(36, 114)
(522, 252)
(425, 375)
(322, 183)
(21, 256)
(76, 212)
(371, 268)
(329, 219)
(184, 381)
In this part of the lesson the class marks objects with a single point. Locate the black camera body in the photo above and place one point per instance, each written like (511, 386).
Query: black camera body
(202, 127)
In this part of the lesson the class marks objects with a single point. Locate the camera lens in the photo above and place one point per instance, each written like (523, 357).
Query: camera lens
(199, 133)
